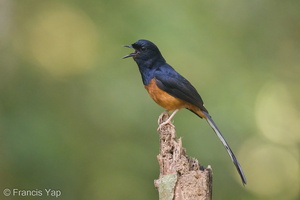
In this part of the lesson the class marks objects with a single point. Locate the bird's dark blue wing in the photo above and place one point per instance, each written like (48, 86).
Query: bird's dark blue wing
(177, 86)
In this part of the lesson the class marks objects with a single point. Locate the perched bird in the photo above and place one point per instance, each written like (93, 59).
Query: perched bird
(171, 90)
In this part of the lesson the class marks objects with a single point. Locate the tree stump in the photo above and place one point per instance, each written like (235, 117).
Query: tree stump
(181, 177)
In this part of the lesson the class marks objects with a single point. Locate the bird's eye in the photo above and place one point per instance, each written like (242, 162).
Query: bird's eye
(143, 48)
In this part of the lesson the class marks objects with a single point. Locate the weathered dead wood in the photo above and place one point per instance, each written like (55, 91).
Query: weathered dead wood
(181, 177)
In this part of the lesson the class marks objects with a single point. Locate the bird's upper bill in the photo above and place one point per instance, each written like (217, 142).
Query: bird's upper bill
(133, 54)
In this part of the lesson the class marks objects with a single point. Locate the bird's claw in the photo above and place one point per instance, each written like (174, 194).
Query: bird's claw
(165, 123)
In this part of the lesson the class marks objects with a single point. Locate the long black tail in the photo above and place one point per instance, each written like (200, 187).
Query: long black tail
(229, 151)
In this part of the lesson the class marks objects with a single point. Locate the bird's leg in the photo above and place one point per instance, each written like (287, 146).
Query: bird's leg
(168, 121)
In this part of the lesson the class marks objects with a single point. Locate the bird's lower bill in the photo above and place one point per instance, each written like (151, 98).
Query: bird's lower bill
(133, 54)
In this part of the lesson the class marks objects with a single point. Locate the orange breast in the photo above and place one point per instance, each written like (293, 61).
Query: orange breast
(163, 99)
(169, 102)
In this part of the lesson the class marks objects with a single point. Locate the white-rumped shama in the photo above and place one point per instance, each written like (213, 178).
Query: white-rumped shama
(171, 90)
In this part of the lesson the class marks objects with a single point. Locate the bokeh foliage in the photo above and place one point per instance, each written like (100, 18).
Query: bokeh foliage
(75, 117)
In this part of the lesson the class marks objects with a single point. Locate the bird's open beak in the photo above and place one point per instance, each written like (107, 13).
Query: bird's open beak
(129, 55)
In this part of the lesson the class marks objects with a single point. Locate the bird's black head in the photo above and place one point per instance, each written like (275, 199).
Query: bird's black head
(144, 51)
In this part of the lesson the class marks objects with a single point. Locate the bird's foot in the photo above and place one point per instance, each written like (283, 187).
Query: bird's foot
(163, 116)
(165, 123)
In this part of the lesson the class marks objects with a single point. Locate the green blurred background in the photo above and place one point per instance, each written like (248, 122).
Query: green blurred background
(75, 117)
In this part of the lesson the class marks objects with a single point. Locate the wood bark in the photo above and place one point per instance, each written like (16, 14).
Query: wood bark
(181, 177)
